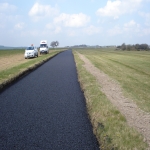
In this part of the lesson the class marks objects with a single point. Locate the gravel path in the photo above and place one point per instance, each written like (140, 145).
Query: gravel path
(46, 110)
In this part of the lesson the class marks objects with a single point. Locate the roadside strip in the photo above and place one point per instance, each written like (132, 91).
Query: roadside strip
(24, 72)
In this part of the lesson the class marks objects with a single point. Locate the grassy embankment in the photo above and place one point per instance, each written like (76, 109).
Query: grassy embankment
(131, 70)
(10, 73)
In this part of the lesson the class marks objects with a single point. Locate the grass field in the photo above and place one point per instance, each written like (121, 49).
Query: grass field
(11, 52)
(131, 70)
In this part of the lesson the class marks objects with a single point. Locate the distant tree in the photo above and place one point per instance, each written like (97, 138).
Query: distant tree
(137, 46)
(144, 46)
(54, 44)
(119, 47)
(128, 47)
(123, 46)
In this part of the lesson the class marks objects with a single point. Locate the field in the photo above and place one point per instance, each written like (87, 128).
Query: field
(116, 85)
(130, 68)
(14, 64)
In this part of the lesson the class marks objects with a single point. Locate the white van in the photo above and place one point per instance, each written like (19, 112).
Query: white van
(44, 47)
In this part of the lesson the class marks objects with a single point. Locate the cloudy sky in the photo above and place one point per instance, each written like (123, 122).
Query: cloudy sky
(74, 22)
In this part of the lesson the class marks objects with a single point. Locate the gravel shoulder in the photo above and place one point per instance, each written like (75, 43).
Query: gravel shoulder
(136, 118)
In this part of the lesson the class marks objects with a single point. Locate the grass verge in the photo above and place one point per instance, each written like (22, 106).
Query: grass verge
(10, 75)
(109, 126)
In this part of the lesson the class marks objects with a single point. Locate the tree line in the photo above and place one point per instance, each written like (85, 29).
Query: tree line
(137, 47)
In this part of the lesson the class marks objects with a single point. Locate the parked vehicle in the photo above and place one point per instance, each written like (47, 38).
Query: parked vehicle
(31, 51)
(44, 47)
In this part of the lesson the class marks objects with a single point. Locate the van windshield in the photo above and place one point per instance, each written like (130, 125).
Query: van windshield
(43, 45)
(30, 48)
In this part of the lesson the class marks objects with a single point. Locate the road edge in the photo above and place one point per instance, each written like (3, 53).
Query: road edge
(21, 74)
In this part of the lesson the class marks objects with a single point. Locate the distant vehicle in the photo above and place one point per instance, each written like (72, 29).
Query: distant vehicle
(44, 47)
(31, 51)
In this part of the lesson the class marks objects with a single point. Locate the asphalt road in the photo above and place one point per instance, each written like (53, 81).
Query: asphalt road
(46, 110)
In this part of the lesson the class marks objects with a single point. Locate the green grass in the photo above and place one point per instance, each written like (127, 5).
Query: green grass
(11, 52)
(131, 69)
(58, 48)
(7, 74)
(109, 125)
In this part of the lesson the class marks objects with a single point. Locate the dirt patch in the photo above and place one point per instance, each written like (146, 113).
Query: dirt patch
(11, 61)
(136, 118)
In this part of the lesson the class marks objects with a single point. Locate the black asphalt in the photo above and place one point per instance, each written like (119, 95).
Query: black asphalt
(46, 110)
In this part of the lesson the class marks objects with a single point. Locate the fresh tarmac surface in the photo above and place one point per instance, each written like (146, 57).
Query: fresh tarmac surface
(46, 110)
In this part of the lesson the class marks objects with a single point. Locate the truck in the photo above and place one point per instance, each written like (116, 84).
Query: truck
(44, 47)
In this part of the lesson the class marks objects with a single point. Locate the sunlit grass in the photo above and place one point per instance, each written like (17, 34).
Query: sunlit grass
(131, 69)
(109, 125)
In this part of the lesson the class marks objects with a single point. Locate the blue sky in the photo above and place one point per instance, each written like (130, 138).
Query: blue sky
(74, 22)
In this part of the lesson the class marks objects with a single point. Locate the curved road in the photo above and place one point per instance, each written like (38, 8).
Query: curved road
(46, 110)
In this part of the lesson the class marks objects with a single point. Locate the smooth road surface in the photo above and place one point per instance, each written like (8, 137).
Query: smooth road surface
(46, 110)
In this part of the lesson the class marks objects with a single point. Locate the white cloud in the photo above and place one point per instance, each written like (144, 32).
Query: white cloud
(145, 31)
(128, 28)
(7, 8)
(7, 15)
(74, 20)
(92, 30)
(111, 9)
(115, 31)
(53, 28)
(146, 16)
(49, 26)
(31, 33)
(72, 33)
(130, 24)
(8, 21)
(132, 27)
(57, 30)
(39, 11)
(118, 7)
(19, 26)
